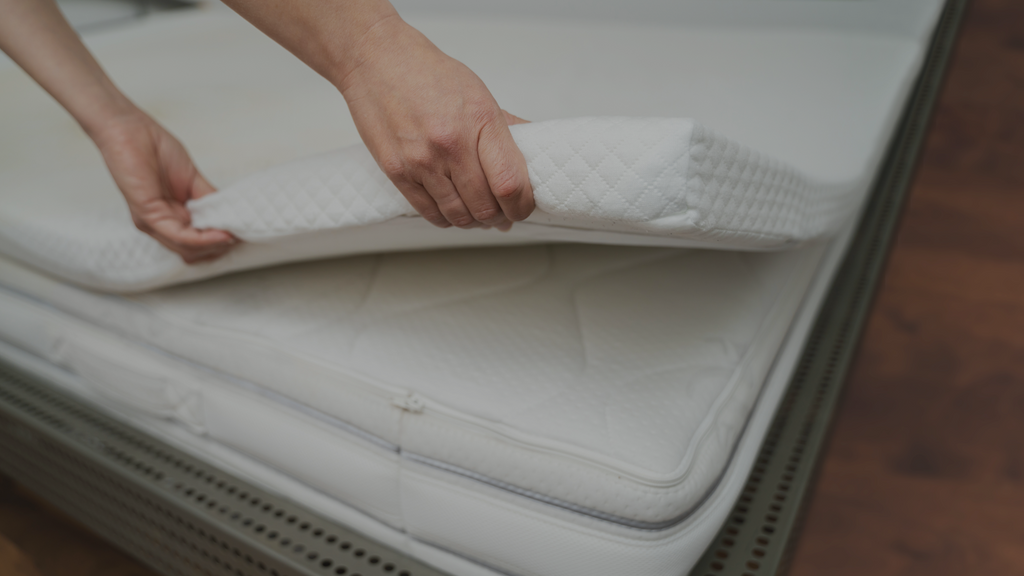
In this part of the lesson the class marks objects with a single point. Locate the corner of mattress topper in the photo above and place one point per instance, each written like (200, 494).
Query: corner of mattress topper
(698, 131)
(202, 209)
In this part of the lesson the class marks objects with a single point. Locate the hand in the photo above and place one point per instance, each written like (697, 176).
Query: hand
(435, 130)
(157, 178)
(150, 167)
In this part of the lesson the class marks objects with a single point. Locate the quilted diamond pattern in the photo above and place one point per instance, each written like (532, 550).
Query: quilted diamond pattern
(646, 181)
(335, 190)
(657, 176)
(92, 247)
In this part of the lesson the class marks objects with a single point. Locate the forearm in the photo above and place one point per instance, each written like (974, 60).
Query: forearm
(430, 123)
(328, 35)
(35, 34)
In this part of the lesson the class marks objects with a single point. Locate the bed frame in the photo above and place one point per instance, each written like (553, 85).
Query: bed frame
(185, 517)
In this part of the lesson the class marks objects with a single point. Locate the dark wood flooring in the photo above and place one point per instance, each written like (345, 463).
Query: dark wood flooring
(37, 540)
(925, 470)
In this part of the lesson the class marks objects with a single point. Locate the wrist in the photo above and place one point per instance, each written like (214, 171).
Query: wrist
(111, 125)
(377, 32)
(106, 112)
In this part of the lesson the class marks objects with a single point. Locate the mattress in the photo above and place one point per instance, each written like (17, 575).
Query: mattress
(537, 409)
(416, 407)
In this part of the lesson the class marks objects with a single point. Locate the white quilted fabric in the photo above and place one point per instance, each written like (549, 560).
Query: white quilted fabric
(663, 177)
(652, 181)
(639, 181)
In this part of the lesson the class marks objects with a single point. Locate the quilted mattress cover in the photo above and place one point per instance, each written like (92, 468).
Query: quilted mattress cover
(613, 166)
(395, 388)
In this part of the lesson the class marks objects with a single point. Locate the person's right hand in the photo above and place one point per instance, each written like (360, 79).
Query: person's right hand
(435, 130)
(157, 178)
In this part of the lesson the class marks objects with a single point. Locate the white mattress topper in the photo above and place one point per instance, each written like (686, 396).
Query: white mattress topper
(655, 181)
(672, 180)
(695, 188)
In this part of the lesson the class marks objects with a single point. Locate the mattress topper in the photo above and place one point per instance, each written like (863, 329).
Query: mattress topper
(672, 180)
(650, 181)
(644, 179)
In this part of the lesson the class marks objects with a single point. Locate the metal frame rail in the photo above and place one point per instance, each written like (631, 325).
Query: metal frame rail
(185, 517)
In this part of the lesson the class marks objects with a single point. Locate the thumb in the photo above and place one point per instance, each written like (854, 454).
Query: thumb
(200, 186)
(512, 119)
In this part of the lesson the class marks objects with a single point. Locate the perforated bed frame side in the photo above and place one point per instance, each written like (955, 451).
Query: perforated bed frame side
(185, 517)
(173, 512)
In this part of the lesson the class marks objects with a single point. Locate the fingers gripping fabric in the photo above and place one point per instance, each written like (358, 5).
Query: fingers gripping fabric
(630, 181)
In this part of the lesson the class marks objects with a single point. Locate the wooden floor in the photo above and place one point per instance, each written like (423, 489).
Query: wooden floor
(925, 470)
(36, 540)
